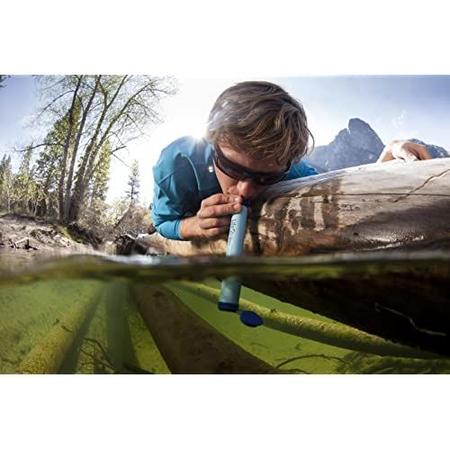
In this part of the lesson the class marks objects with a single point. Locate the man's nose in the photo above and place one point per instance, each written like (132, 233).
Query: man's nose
(247, 189)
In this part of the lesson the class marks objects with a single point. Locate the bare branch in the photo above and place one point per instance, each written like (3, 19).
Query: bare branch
(119, 159)
(49, 105)
(32, 147)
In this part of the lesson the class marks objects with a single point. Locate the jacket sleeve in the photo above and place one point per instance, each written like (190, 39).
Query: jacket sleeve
(165, 215)
(302, 169)
(173, 199)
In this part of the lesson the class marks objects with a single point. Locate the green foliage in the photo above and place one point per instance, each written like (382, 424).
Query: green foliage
(99, 182)
(114, 110)
(25, 192)
(6, 182)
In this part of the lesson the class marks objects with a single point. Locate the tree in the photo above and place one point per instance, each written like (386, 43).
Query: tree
(2, 80)
(52, 160)
(24, 189)
(112, 109)
(6, 178)
(133, 184)
(128, 206)
(99, 182)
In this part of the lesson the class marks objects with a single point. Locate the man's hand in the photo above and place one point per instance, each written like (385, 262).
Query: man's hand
(213, 218)
(405, 151)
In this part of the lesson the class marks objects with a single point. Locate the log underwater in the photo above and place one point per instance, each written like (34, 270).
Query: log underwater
(188, 343)
(369, 211)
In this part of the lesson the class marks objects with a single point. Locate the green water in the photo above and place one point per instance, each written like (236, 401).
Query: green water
(158, 315)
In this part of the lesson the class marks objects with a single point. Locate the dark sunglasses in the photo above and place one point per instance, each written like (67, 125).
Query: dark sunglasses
(237, 172)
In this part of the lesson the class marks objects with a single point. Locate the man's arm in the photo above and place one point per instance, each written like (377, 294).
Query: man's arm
(171, 201)
(212, 219)
(166, 214)
(404, 150)
(172, 193)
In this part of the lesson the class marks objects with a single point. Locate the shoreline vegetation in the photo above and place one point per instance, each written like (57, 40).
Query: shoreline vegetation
(53, 189)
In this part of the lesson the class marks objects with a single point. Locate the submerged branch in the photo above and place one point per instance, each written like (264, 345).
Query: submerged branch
(338, 335)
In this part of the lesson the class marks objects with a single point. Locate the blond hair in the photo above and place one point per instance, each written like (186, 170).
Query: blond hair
(262, 120)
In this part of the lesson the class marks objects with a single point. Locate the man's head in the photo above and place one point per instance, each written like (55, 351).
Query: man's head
(256, 125)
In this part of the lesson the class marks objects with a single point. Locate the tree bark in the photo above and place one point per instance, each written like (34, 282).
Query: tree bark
(62, 176)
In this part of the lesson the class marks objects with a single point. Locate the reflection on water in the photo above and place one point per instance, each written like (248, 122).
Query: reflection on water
(159, 315)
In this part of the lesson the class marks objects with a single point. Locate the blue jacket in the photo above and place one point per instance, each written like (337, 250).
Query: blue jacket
(183, 176)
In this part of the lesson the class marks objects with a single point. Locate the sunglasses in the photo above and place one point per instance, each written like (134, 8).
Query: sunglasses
(238, 172)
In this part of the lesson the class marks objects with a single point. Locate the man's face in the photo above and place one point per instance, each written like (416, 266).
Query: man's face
(247, 188)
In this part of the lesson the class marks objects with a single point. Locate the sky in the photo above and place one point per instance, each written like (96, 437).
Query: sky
(396, 107)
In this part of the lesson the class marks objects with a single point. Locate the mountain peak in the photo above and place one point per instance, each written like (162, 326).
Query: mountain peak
(356, 123)
(363, 136)
(355, 145)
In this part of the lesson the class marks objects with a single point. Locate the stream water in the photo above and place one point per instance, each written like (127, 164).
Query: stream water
(158, 315)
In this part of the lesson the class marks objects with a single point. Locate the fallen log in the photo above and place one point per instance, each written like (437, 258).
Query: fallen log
(48, 354)
(187, 343)
(334, 334)
(371, 207)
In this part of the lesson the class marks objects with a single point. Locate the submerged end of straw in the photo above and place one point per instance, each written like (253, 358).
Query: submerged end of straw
(226, 306)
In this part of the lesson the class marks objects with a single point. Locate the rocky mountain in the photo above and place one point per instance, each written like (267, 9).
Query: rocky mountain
(356, 145)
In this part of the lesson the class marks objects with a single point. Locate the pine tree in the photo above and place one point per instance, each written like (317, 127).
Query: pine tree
(6, 178)
(47, 171)
(129, 204)
(23, 183)
(133, 184)
(99, 183)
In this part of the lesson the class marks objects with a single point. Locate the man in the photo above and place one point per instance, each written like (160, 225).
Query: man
(256, 136)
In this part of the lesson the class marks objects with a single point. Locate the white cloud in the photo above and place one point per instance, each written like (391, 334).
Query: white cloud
(399, 121)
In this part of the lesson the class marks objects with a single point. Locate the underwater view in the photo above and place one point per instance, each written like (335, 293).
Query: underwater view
(343, 314)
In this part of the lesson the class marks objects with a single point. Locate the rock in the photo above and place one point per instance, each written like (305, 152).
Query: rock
(357, 145)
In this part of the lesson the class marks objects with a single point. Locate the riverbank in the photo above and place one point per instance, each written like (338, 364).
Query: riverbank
(25, 240)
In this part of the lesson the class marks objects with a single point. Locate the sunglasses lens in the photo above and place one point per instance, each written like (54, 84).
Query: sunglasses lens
(237, 172)
(221, 163)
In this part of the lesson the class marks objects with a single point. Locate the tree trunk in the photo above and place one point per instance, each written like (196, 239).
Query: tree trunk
(67, 196)
(90, 153)
(66, 151)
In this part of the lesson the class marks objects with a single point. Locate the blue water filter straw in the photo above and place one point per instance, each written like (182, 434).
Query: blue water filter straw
(231, 286)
